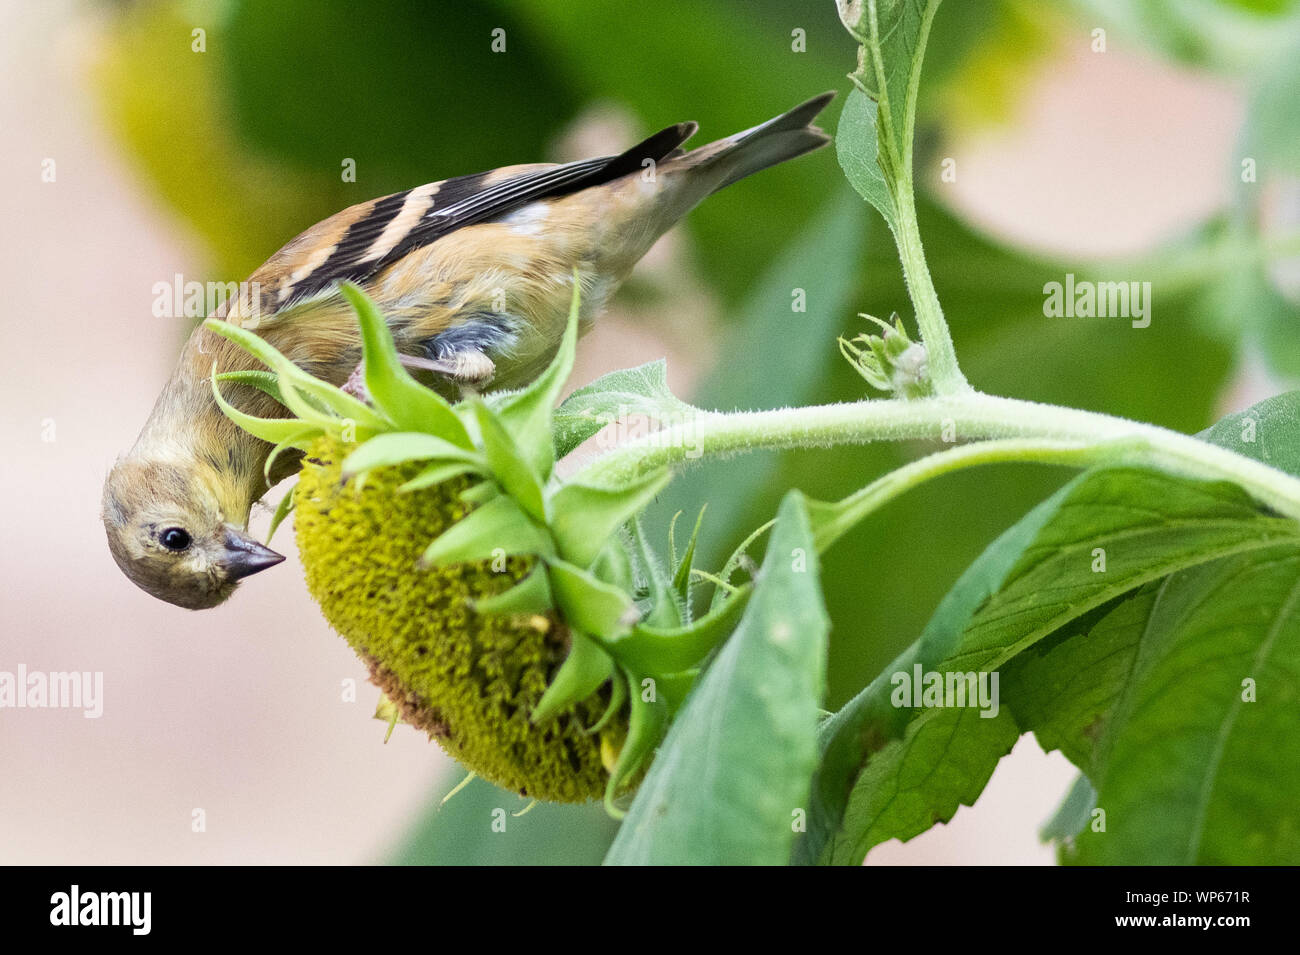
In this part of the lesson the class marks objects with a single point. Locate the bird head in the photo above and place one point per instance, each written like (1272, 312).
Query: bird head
(172, 536)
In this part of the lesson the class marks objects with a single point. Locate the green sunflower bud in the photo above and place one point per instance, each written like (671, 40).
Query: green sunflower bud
(471, 680)
(890, 361)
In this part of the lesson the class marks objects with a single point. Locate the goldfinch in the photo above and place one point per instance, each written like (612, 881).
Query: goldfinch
(475, 276)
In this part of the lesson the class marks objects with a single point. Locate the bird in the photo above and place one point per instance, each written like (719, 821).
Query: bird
(475, 276)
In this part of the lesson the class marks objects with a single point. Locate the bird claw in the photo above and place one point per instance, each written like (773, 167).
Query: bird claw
(471, 369)
(356, 383)
(468, 367)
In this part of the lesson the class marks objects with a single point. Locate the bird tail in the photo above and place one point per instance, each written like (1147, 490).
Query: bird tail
(785, 137)
(671, 181)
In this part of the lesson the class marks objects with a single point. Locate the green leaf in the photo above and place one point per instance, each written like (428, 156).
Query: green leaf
(590, 605)
(741, 556)
(1149, 697)
(730, 781)
(618, 395)
(315, 394)
(614, 565)
(282, 510)
(438, 474)
(507, 464)
(665, 607)
(412, 406)
(267, 382)
(583, 671)
(399, 447)
(527, 414)
(1037, 577)
(1198, 762)
(679, 648)
(531, 595)
(1072, 815)
(855, 145)
(498, 526)
(301, 441)
(272, 430)
(617, 699)
(1147, 524)
(648, 714)
(1063, 688)
(943, 762)
(893, 34)
(1268, 431)
(682, 575)
(479, 493)
(584, 517)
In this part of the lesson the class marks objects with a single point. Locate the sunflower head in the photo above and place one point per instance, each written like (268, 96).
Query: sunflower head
(471, 680)
(504, 612)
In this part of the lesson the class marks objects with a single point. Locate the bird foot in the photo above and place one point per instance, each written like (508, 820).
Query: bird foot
(471, 369)
(356, 383)
(467, 367)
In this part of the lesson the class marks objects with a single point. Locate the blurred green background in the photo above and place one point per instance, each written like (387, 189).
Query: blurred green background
(246, 142)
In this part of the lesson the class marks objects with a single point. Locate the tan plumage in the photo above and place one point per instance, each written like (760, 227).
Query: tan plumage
(475, 277)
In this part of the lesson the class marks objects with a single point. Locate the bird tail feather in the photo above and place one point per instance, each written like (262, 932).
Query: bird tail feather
(784, 137)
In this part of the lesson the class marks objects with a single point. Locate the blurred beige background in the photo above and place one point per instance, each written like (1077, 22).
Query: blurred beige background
(239, 711)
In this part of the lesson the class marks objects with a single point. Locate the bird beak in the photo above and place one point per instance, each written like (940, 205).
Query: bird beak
(245, 556)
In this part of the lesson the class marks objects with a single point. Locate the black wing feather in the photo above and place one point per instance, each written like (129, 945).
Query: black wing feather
(464, 201)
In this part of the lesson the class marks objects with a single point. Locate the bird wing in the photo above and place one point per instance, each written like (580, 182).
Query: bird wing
(361, 240)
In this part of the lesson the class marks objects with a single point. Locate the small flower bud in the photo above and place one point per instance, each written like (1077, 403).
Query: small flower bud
(890, 361)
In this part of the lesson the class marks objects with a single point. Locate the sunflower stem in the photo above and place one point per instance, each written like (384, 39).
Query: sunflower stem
(1098, 438)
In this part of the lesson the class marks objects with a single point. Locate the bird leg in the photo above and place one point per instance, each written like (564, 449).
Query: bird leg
(468, 367)
(356, 383)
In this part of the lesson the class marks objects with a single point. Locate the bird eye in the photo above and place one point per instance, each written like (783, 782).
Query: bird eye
(175, 538)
